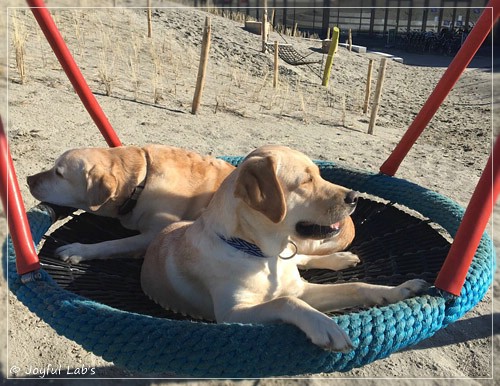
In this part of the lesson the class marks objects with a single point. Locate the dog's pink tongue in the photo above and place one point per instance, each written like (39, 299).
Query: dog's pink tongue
(335, 226)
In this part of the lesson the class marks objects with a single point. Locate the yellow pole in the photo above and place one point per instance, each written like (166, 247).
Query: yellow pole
(329, 58)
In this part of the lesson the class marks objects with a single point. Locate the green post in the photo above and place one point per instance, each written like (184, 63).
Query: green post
(329, 60)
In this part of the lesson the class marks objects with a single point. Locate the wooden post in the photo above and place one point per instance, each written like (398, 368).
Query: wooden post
(329, 59)
(328, 33)
(272, 19)
(349, 40)
(294, 33)
(378, 93)
(276, 57)
(150, 25)
(200, 81)
(343, 110)
(368, 86)
(264, 27)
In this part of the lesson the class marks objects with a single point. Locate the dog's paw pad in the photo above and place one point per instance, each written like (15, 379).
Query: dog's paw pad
(71, 253)
(413, 287)
(349, 258)
(329, 336)
(343, 260)
(75, 259)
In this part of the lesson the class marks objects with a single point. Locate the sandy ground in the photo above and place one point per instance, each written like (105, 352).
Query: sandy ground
(151, 82)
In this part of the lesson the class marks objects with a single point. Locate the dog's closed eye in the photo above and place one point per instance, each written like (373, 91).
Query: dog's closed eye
(307, 180)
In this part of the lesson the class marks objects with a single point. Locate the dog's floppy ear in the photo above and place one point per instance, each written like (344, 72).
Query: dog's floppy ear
(101, 186)
(258, 186)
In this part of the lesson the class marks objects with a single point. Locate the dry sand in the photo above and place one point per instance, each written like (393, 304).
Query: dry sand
(240, 111)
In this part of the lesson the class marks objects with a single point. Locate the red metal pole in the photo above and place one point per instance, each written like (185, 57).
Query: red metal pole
(452, 275)
(462, 59)
(26, 257)
(74, 74)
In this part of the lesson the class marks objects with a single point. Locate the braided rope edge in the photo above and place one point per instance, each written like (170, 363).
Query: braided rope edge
(194, 349)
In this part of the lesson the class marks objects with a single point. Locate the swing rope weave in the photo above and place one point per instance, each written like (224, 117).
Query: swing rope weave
(196, 349)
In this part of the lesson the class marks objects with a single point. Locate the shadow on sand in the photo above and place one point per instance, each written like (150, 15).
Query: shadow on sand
(465, 330)
(482, 59)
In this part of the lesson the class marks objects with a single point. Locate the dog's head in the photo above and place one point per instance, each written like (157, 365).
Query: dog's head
(285, 188)
(80, 178)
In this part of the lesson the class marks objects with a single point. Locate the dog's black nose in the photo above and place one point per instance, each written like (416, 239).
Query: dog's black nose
(351, 198)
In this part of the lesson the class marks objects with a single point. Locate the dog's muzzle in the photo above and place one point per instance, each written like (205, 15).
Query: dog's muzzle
(310, 230)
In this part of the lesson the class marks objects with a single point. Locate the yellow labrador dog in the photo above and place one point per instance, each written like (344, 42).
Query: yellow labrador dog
(226, 265)
(146, 188)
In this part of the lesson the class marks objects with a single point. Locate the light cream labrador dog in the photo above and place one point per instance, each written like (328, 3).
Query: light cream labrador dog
(146, 188)
(226, 265)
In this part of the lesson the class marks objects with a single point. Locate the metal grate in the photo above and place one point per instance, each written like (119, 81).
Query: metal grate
(287, 53)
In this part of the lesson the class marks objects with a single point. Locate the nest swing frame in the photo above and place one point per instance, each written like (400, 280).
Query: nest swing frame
(195, 349)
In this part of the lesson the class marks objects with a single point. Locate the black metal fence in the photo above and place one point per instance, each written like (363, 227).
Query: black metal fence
(373, 17)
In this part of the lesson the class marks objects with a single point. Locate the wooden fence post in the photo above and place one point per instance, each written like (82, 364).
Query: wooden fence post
(264, 28)
(368, 86)
(329, 59)
(349, 40)
(200, 81)
(276, 58)
(150, 25)
(378, 93)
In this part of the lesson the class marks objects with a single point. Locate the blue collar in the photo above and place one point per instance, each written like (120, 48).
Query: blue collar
(243, 246)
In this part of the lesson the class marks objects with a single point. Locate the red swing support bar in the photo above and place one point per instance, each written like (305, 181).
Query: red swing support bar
(56, 41)
(452, 275)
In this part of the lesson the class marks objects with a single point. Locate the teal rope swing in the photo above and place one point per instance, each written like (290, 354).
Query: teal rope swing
(151, 344)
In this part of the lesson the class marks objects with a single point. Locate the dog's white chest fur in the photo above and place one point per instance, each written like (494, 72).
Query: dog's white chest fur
(272, 278)
(236, 278)
(240, 278)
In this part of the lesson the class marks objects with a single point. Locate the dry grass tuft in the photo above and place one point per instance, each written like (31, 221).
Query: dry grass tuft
(157, 74)
(19, 40)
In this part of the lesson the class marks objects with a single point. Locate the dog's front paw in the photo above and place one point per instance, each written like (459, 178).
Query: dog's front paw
(411, 288)
(343, 260)
(380, 295)
(335, 261)
(72, 253)
(326, 334)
